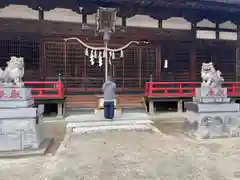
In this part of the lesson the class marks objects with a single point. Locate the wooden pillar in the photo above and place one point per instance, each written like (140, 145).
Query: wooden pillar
(158, 63)
(124, 21)
(42, 56)
(60, 110)
(159, 23)
(84, 17)
(140, 68)
(238, 54)
(193, 52)
(217, 30)
(123, 72)
(42, 60)
(40, 13)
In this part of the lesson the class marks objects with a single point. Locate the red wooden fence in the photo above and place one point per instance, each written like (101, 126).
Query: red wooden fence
(183, 89)
(54, 92)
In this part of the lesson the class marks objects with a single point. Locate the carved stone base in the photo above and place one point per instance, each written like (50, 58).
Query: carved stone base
(210, 131)
(211, 95)
(21, 123)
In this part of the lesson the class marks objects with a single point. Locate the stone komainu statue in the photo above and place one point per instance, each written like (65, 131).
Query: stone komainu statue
(13, 73)
(211, 77)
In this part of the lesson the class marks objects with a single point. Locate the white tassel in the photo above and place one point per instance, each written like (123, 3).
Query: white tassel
(86, 52)
(109, 61)
(100, 59)
(113, 55)
(92, 58)
(95, 54)
(104, 53)
(110, 57)
(110, 54)
(121, 54)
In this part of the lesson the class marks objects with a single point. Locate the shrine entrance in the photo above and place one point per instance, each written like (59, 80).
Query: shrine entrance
(130, 72)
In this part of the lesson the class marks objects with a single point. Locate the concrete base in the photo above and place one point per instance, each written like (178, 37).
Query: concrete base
(212, 107)
(28, 152)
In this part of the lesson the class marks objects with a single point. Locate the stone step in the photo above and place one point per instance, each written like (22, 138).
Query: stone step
(81, 130)
(108, 125)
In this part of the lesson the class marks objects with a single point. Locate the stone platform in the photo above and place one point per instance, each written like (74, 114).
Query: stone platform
(93, 123)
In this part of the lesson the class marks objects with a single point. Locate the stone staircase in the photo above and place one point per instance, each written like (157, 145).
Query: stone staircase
(87, 104)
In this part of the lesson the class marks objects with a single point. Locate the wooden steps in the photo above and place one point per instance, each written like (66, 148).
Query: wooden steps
(131, 100)
(82, 101)
(90, 101)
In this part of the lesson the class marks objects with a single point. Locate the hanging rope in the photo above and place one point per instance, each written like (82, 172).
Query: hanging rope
(101, 48)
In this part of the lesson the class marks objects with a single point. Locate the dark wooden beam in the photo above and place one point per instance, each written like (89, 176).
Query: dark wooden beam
(124, 21)
(84, 18)
(217, 30)
(40, 13)
(159, 23)
(193, 52)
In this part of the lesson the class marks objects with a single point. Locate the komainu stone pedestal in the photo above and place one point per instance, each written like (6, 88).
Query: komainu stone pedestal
(21, 123)
(212, 115)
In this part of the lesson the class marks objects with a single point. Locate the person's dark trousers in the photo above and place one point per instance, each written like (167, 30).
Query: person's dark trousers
(109, 109)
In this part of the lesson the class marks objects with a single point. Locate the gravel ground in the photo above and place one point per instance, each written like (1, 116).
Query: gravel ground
(123, 155)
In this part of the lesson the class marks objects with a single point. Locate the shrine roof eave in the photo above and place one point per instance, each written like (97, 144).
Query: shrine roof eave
(200, 9)
(228, 5)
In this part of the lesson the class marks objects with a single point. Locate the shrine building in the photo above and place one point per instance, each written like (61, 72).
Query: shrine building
(175, 38)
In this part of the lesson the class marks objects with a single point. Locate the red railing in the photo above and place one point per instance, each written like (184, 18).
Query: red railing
(55, 92)
(183, 89)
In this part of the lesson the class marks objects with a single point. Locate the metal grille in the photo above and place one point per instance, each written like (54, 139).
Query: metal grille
(130, 72)
(202, 55)
(238, 64)
(22, 48)
(54, 56)
(226, 62)
(75, 66)
(72, 70)
(116, 70)
(131, 68)
(148, 64)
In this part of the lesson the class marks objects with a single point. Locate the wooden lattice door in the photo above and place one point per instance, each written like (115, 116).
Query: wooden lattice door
(67, 59)
(177, 57)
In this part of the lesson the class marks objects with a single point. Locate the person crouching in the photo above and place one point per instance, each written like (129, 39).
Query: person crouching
(109, 91)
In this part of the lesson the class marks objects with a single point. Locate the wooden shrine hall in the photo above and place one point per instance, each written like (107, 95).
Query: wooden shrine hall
(182, 33)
